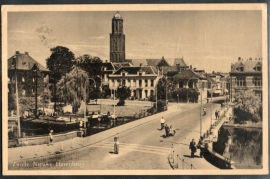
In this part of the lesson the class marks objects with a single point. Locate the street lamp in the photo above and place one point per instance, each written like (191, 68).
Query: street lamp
(35, 69)
(201, 110)
(211, 100)
(14, 63)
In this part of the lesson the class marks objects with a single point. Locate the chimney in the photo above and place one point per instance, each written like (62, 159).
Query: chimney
(190, 67)
(194, 69)
(17, 52)
(239, 58)
(140, 64)
(105, 60)
(26, 53)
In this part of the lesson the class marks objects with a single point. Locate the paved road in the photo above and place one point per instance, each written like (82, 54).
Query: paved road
(144, 147)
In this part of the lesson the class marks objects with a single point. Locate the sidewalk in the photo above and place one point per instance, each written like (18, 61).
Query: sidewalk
(25, 153)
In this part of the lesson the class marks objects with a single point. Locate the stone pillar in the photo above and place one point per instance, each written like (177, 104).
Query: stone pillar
(143, 93)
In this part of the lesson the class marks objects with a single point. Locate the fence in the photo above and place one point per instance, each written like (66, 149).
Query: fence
(178, 163)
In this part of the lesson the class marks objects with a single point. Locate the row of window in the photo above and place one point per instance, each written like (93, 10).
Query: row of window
(23, 79)
(242, 81)
(123, 82)
(256, 68)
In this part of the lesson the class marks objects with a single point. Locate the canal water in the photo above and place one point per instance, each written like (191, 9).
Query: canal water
(245, 146)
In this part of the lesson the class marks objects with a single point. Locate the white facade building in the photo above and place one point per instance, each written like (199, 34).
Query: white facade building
(141, 80)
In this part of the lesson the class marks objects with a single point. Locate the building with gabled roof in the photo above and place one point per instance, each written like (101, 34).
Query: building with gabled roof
(142, 80)
(190, 79)
(245, 75)
(25, 66)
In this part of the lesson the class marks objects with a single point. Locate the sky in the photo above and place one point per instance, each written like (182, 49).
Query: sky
(207, 40)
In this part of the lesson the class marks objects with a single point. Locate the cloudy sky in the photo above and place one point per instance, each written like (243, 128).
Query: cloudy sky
(209, 40)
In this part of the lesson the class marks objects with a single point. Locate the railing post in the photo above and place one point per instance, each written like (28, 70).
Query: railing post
(177, 161)
(173, 157)
(183, 164)
(171, 151)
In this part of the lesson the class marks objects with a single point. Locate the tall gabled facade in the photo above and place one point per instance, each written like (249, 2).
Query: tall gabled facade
(246, 75)
(25, 67)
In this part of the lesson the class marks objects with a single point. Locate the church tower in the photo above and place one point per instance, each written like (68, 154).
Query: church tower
(117, 39)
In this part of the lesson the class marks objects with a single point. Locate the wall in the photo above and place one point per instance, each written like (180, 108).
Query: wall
(45, 139)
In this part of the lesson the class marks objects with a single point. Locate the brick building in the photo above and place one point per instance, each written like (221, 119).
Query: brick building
(25, 67)
(246, 75)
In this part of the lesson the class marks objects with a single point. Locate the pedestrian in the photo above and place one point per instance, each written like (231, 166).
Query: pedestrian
(162, 122)
(50, 138)
(167, 130)
(201, 146)
(204, 111)
(216, 114)
(192, 147)
(172, 130)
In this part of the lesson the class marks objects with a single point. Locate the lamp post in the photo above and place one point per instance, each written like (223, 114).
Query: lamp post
(36, 85)
(201, 110)
(166, 91)
(211, 101)
(14, 63)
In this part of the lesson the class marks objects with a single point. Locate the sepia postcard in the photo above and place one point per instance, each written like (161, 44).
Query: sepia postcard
(171, 89)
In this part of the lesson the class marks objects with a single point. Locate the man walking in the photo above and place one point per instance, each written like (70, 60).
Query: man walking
(162, 122)
(201, 146)
(192, 147)
(216, 114)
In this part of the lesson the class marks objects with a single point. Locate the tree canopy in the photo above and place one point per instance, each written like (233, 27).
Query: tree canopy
(123, 93)
(74, 87)
(92, 65)
(248, 106)
(60, 62)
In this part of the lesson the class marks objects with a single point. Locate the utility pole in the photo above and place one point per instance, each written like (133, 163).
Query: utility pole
(36, 92)
(156, 96)
(201, 111)
(17, 97)
(211, 101)
(85, 107)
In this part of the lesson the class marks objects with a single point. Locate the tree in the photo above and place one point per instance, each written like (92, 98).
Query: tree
(59, 63)
(11, 100)
(165, 87)
(248, 106)
(45, 96)
(183, 93)
(123, 93)
(161, 88)
(92, 65)
(74, 87)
